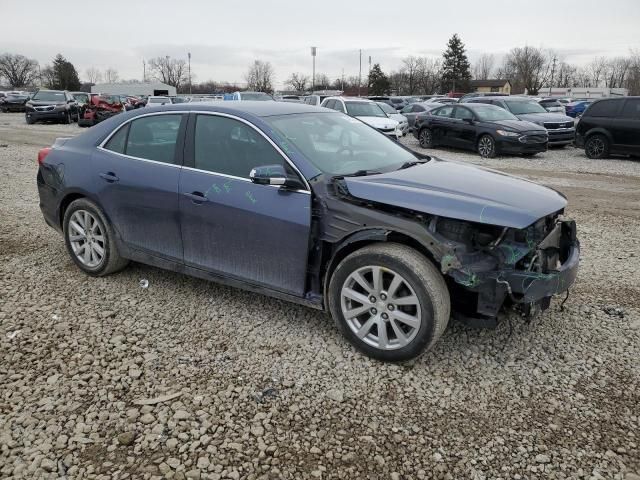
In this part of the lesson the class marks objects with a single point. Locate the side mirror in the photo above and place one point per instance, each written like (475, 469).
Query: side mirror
(274, 175)
(70, 101)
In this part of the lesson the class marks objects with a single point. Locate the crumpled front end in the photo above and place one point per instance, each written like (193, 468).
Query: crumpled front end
(491, 267)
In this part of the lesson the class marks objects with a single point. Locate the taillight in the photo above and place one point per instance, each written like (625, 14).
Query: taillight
(42, 154)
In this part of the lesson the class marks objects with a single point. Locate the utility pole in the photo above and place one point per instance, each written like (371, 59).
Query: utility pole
(369, 76)
(553, 71)
(144, 71)
(189, 56)
(360, 73)
(313, 75)
(343, 79)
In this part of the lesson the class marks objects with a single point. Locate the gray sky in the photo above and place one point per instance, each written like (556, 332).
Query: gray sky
(225, 37)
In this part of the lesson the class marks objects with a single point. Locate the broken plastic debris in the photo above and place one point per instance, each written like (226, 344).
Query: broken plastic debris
(144, 283)
(613, 311)
(12, 335)
(267, 392)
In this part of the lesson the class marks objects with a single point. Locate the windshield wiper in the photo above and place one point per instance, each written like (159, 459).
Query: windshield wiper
(412, 163)
(362, 173)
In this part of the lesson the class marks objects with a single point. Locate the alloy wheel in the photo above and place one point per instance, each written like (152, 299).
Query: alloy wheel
(380, 307)
(86, 238)
(485, 146)
(425, 138)
(595, 147)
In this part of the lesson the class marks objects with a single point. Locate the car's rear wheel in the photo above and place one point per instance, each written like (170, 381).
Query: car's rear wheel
(90, 240)
(389, 301)
(28, 120)
(425, 137)
(487, 146)
(597, 146)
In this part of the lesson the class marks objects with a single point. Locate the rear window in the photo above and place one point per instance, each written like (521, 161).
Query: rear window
(631, 109)
(603, 108)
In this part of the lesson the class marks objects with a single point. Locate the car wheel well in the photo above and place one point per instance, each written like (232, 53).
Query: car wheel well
(66, 201)
(348, 247)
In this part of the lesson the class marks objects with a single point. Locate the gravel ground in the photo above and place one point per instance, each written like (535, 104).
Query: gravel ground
(102, 378)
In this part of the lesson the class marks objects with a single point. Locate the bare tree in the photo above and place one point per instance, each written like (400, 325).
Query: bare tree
(483, 68)
(428, 75)
(597, 71)
(410, 67)
(527, 68)
(322, 82)
(617, 72)
(111, 75)
(298, 82)
(169, 70)
(18, 70)
(94, 75)
(260, 76)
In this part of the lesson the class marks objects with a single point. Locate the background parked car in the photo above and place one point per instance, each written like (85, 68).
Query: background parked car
(154, 101)
(51, 105)
(253, 96)
(468, 96)
(392, 113)
(560, 128)
(396, 102)
(315, 100)
(413, 110)
(552, 105)
(487, 129)
(442, 100)
(577, 108)
(13, 102)
(366, 110)
(99, 108)
(610, 125)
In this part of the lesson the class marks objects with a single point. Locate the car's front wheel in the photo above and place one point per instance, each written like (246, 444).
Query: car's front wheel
(487, 146)
(425, 137)
(90, 240)
(597, 146)
(389, 301)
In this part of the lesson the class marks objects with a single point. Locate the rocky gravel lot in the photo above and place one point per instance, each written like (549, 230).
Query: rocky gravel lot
(105, 379)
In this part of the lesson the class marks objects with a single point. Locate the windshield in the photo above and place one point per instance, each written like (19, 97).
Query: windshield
(364, 109)
(46, 96)
(519, 108)
(81, 97)
(255, 96)
(178, 100)
(489, 113)
(340, 145)
(387, 108)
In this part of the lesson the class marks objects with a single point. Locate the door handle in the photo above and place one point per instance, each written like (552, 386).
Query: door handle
(109, 177)
(197, 197)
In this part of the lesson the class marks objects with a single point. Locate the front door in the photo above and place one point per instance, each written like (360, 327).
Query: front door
(231, 226)
(136, 175)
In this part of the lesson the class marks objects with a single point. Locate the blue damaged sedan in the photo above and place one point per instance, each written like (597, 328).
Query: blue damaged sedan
(312, 206)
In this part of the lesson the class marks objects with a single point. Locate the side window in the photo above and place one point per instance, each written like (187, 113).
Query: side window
(631, 109)
(330, 103)
(417, 108)
(406, 109)
(230, 147)
(154, 137)
(339, 107)
(603, 108)
(462, 113)
(118, 141)
(444, 112)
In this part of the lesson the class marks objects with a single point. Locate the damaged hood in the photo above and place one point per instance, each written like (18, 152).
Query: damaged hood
(460, 191)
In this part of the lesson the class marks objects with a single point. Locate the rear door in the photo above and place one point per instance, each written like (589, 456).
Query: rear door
(136, 174)
(626, 127)
(232, 227)
(441, 122)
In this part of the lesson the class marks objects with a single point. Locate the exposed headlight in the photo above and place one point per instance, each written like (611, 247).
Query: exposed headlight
(506, 133)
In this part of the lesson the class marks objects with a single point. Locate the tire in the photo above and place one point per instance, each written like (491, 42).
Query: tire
(28, 120)
(597, 146)
(425, 137)
(76, 216)
(529, 155)
(67, 119)
(429, 310)
(486, 146)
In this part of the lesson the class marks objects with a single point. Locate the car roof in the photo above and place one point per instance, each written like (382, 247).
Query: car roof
(473, 105)
(257, 108)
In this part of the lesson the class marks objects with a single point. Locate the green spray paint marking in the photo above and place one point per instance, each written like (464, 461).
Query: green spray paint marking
(213, 187)
(227, 186)
(472, 279)
(249, 195)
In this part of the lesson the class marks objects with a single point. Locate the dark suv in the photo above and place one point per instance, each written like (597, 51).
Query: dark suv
(54, 105)
(610, 125)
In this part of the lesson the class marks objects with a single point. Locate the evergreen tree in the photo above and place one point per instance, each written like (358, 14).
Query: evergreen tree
(456, 71)
(65, 76)
(378, 82)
